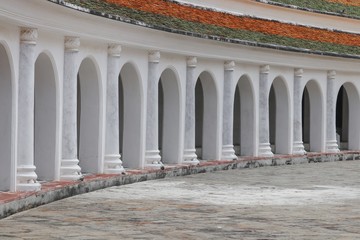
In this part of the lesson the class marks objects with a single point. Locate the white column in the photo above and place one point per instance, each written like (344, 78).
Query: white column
(228, 151)
(26, 176)
(331, 143)
(152, 153)
(264, 145)
(190, 156)
(298, 146)
(70, 169)
(112, 162)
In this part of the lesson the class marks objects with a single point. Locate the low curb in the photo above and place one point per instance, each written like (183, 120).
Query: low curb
(11, 203)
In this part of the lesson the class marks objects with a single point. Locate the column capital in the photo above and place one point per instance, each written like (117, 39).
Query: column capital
(154, 56)
(298, 72)
(331, 74)
(28, 35)
(114, 50)
(191, 61)
(229, 65)
(265, 69)
(72, 44)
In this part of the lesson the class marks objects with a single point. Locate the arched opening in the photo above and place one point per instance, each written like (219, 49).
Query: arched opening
(45, 118)
(169, 117)
(244, 118)
(312, 118)
(88, 112)
(279, 117)
(5, 120)
(206, 117)
(347, 115)
(130, 117)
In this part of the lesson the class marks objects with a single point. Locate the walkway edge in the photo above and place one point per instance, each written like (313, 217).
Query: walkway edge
(11, 203)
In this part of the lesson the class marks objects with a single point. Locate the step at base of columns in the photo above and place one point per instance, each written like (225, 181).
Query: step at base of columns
(193, 161)
(28, 187)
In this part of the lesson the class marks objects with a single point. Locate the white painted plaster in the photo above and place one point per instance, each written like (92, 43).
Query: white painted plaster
(26, 176)
(298, 147)
(70, 169)
(102, 139)
(112, 162)
(189, 137)
(228, 112)
(331, 142)
(152, 154)
(264, 144)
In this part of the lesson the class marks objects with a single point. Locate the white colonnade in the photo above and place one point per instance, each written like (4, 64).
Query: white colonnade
(110, 111)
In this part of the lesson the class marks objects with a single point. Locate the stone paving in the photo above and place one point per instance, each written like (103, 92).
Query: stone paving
(307, 201)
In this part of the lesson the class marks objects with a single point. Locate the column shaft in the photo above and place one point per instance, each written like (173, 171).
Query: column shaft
(70, 170)
(298, 146)
(228, 112)
(264, 145)
(152, 153)
(331, 143)
(112, 162)
(26, 176)
(190, 156)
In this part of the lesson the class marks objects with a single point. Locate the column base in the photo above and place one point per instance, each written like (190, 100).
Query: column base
(298, 148)
(332, 146)
(26, 179)
(265, 150)
(153, 159)
(228, 153)
(190, 157)
(113, 164)
(70, 170)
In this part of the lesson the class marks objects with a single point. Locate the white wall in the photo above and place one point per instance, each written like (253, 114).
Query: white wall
(96, 33)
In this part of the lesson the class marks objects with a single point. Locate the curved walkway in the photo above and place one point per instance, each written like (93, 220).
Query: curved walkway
(308, 201)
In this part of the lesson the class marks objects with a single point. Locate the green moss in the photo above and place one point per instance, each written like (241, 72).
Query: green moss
(324, 6)
(212, 30)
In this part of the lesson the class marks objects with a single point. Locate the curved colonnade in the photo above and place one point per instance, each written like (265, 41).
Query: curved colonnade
(81, 103)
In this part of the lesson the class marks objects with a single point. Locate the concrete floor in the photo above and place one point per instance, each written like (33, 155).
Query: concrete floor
(308, 201)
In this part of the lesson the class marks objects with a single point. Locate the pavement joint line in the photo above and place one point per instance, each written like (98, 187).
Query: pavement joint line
(14, 202)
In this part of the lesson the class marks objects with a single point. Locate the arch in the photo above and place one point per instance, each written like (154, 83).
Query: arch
(131, 116)
(244, 117)
(312, 117)
(6, 86)
(206, 124)
(169, 117)
(279, 117)
(347, 115)
(88, 112)
(45, 118)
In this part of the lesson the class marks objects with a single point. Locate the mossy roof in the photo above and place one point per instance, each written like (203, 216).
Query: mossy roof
(170, 16)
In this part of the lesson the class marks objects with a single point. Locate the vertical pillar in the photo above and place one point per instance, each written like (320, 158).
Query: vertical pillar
(298, 146)
(112, 160)
(264, 145)
(26, 176)
(228, 151)
(190, 156)
(331, 143)
(70, 169)
(152, 153)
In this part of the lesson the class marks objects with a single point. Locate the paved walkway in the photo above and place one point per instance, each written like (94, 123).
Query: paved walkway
(308, 201)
